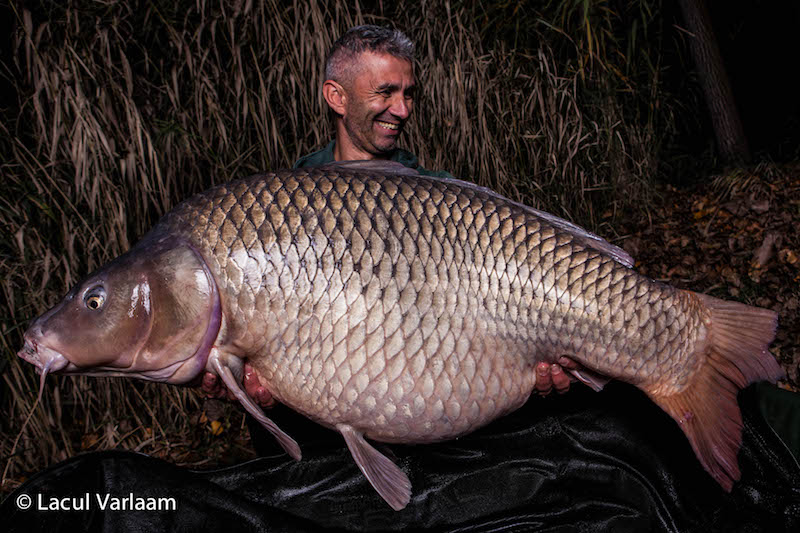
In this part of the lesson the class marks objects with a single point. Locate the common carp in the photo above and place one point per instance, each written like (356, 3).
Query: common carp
(401, 308)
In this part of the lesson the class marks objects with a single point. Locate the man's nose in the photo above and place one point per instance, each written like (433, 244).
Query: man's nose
(401, 107)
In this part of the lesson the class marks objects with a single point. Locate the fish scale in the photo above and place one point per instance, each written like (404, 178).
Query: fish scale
(401, 308)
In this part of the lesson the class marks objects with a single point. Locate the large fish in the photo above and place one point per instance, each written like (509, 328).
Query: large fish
(400, 308)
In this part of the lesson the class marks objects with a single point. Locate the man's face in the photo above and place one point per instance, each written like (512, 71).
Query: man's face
(379, 100)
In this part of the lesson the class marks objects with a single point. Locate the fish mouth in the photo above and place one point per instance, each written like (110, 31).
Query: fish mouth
(46, 360)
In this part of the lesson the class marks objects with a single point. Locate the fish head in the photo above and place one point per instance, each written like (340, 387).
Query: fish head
(152, 313)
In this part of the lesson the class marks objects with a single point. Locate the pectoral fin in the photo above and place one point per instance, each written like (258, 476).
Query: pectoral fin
(287, 442)
(384, 476)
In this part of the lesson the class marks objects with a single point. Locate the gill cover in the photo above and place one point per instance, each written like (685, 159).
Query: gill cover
(152, 313)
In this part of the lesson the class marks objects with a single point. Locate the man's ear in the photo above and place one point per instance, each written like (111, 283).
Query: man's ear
(335, 96)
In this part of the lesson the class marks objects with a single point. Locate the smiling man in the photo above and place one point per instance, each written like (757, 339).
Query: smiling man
(372, 96)
(369, 85)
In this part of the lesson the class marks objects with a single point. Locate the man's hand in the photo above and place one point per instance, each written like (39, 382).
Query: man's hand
(255, 388)
(214, 388)
(552, 376)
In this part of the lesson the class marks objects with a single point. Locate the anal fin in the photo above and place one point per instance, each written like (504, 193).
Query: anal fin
(385, 477)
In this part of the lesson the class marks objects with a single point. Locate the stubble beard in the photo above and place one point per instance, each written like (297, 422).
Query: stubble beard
(361, 137)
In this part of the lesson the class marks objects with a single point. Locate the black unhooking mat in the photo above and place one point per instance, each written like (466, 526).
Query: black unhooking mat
(584, 461)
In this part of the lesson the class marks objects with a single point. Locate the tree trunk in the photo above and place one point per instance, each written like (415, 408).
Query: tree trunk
(731, 141)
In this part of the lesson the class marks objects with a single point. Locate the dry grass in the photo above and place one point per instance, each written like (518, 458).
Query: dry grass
(126, 107)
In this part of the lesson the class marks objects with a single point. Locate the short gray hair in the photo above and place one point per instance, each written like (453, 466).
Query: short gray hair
(366, 38)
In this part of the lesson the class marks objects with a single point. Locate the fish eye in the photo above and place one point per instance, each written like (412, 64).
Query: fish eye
(95, 298)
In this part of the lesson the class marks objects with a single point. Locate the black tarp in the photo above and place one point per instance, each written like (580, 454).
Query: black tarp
(584, 461)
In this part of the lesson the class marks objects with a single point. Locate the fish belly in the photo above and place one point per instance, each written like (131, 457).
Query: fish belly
(412, 388)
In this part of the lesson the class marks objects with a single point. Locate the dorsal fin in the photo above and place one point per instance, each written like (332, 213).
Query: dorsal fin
(587, 238)
(372, 165)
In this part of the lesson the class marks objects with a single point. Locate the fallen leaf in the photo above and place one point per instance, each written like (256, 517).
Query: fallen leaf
(88, 441)
(788, 256)
(216, 427)
(765, 251)
(731, 277)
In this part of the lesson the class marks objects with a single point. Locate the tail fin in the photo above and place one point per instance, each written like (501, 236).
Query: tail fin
(736, 356)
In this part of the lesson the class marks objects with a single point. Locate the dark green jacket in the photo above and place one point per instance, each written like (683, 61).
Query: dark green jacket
(325, 156)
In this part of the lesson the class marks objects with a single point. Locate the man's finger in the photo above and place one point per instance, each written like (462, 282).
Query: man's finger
(250, 381)
(566, 362)
(560, 379)
(265, 399)
(211, 386)
(209, 381)
(255, 389)
(544, 382)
